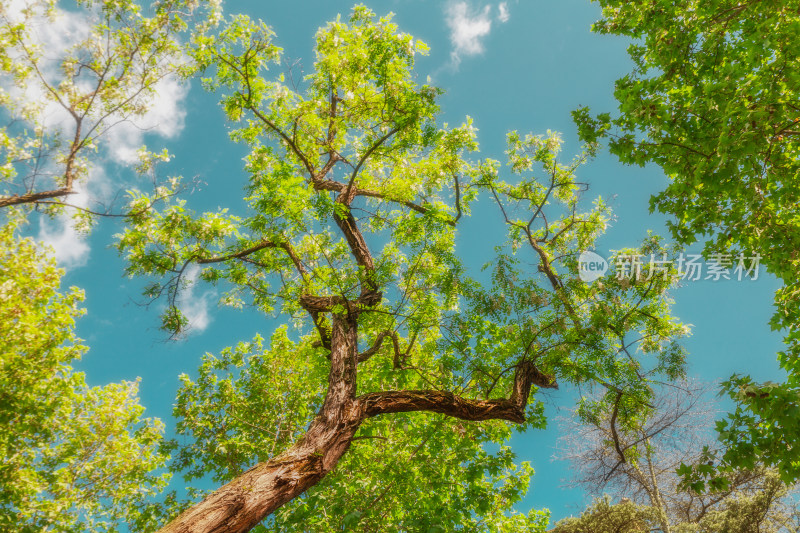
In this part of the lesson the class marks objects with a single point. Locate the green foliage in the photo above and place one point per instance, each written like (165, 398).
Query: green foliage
(413, 472)
(712, 100)
(579, 332)
(373, 124)
(246, 405)
(605, 517)
(79, 458)
(757, 511)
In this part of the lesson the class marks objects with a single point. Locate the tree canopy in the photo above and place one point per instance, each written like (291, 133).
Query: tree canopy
(639, 466)
(388, 396)
(79, 457)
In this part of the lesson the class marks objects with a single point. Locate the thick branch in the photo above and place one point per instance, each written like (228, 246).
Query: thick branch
(613, 425)
(324, 304)
(33, 197)
(240, 505)
(358, 246)
(545, 266)
(322, 328)
(447, 403)
(244, 502)
(238, 255)
(458, 198)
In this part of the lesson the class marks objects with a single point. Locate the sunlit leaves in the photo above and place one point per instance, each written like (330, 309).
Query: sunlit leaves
(249, 403)
(64, 92)
(356, 122)
(246, 405)
(605, 517)
(602, 333)
(353, 189)
(77, 458)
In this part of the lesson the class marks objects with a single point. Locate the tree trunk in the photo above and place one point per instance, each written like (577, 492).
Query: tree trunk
(244, 502)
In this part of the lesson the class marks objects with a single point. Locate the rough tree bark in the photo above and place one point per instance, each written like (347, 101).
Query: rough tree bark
(244, 502)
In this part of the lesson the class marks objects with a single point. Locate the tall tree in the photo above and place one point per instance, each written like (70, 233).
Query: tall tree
(713, 100)
(74, 457)
(354, 195)
(412, 471)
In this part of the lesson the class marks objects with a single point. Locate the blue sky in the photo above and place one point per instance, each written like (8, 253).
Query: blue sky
(509, 65)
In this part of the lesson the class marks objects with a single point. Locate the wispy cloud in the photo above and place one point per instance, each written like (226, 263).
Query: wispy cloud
(71, 248)
(467, 30)
(503, 14)
(165, 118)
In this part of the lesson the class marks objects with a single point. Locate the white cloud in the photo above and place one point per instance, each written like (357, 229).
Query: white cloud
(193, 305)
(70, 246)
(504, 15)
(467, 29)
(56, 34)
(165, 117)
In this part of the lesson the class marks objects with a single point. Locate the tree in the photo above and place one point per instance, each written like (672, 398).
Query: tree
(640, 461)
(76, 458)
(63, 102)
(604, 517)
(91, 90)
(742, 514)
(713, 100)
(354, 195)
(414, 471)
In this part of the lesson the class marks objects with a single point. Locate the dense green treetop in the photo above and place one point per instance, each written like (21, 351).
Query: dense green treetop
(714, 100)
(354, 195)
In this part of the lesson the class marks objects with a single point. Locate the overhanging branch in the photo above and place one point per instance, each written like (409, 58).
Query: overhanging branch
(511, 409)
(264, 244)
